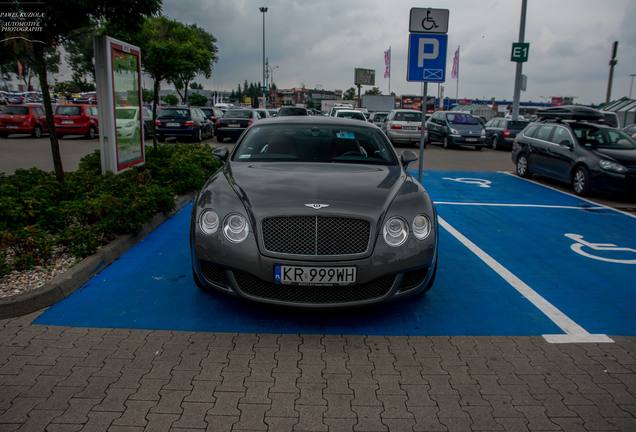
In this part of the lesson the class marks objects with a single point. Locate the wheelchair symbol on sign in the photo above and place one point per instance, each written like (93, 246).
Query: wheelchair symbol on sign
(429, 23)
(472, 181)
(580, 244)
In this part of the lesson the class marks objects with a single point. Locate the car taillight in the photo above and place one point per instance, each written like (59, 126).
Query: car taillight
(249, 122)
(157, 122)
(396, 126)
(506, 133)
(188, 123)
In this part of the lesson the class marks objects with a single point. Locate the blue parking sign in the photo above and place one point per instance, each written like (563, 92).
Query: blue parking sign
(427, 57)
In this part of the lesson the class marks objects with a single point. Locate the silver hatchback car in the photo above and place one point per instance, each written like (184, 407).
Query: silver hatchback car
(404, 125)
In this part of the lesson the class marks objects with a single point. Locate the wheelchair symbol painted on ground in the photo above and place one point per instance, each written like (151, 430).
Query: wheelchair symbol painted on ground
(471, 181)
(580, 245)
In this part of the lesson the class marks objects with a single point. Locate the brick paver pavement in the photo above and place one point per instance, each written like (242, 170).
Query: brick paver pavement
(62, 379)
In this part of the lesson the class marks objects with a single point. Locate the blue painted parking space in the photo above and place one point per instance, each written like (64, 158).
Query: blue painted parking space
(151, 287)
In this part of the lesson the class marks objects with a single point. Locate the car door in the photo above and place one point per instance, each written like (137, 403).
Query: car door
(560, 155)
(433, 127)
(540, 150)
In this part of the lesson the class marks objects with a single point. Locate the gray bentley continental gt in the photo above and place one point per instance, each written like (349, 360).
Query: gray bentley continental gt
(314, 212)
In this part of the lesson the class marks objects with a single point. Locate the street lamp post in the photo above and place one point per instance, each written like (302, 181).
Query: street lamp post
(517, 91)
(263, 9)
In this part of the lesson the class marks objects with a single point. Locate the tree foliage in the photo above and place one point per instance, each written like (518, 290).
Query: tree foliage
(373, 91)
(197, 99)
(170, 99)
(349, 94)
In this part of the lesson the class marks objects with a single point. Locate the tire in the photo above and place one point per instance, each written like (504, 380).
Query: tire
(92, 133)
(522, 167)
(219, 137)
(161, 138)
(581, 180)
(478, 148)
(4, 135)
(37, 132)
(493, 143)
(445, 142)
(59, 136)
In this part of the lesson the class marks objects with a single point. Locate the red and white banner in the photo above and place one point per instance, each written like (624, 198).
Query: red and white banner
(387, 63)
(455, 69)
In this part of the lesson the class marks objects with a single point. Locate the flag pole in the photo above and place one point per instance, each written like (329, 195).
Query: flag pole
(457, 86)
(389, 69)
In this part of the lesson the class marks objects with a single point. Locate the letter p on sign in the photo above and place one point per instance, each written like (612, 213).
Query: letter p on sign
(421, 51)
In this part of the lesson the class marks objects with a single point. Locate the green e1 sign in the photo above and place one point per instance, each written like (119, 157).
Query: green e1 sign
(520, 51)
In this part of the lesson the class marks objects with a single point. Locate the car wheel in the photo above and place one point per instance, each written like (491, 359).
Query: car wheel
(522, 166)
(59, 136)
(4, 135)
(37, 132)
(493, 144)
(478, 148)
(219, 137)
(581, 181)
(92, 133)
(161, 138)
(445, 142)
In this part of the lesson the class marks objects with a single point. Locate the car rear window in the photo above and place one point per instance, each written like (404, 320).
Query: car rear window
(292, 111)
(351, 115)
(175, 112)
(315, 143)
(462, 119)
(517, 125)
(15, 110)
(240, 114)
(408, 116)
(68, 110)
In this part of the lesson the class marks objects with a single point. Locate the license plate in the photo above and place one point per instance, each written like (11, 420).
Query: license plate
(67, 121)
(234, 125)
(173, 124)
(11, 127)
(471, 139)
(300, 275)
(409, 127)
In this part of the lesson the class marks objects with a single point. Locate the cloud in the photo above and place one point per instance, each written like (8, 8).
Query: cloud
(320, 42)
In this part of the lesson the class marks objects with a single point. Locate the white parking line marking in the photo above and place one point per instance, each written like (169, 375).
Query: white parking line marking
(518, 205)
(574, 333)
(568, 193)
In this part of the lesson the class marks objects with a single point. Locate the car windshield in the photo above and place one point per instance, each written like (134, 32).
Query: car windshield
(68, 110)
(315, 143)
(125, 113)
(240, 114)
(208, 111)
(408, 116)
(462, 119)
(603, 137)
(290, 111)
(351, 114)
(15, 110)
(174, 112)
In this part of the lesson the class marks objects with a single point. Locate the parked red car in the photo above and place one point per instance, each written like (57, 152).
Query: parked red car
(76, 119)
(22, 119)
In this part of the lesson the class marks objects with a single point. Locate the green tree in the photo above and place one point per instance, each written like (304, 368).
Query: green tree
(349, 94)
(197, 99)
(170, 99)
(60, 20)
(374, 91)
(196, 86)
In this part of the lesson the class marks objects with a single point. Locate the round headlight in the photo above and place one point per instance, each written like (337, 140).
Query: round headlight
(395, 232)
(236, 228)
(421, 227)
(209, 222)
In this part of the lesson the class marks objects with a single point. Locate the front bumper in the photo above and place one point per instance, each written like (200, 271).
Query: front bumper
(381, 277)
(463, 140)
(607, 181)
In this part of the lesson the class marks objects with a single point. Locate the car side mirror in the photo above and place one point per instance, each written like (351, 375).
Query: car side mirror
(222, 153)
(407, 157)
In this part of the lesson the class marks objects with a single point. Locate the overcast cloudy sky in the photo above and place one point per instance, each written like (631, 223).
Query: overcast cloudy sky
(320, 42)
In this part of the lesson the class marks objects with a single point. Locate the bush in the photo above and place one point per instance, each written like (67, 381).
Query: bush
(37, 214)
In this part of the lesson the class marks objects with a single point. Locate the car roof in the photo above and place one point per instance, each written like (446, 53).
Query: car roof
(351, 111)
(406, 110)
(316, 120)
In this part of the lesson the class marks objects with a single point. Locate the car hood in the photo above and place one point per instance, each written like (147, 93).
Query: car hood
(624, 156)
(467, 129)
(284, 188)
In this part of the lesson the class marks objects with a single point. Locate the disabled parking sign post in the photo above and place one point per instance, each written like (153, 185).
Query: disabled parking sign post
(426, 57)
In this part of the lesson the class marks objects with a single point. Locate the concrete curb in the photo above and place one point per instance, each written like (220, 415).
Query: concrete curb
(63, 285)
